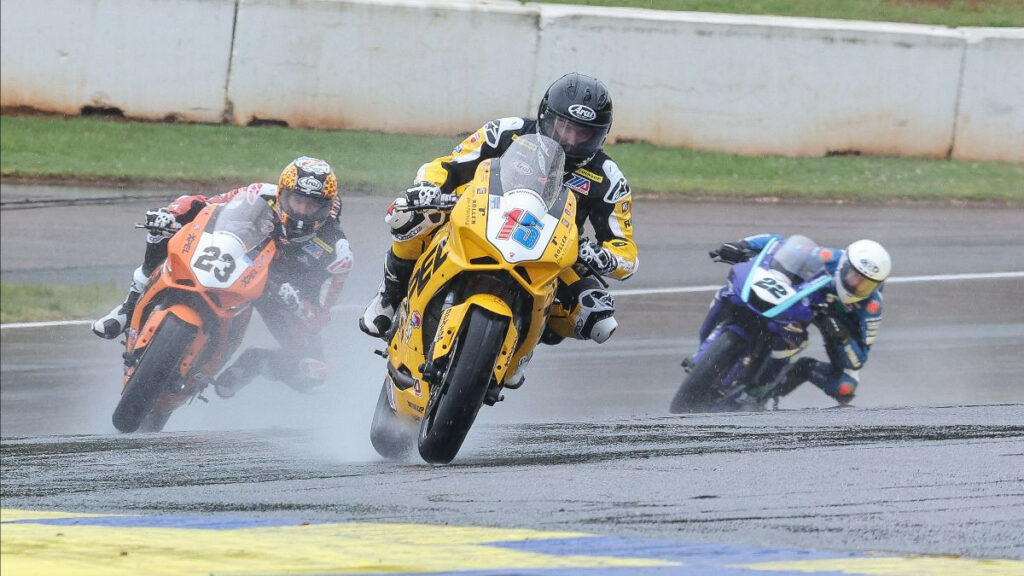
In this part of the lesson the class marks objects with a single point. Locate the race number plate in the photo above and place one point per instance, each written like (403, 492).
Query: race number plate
(219, 260)
(771, 286)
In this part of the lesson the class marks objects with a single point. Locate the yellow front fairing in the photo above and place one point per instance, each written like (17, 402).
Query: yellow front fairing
(497, 253)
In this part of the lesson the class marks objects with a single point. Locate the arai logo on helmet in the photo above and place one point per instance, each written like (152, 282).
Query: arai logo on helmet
(582, 112)
(869, 266)
(310, 184)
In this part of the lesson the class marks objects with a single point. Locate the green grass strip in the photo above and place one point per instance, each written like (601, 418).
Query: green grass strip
(42, 302)
(998, 13)
(137, 153)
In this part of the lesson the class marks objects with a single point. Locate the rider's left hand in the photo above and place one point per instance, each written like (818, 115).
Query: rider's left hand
(831, 328)
(598, 257)
(291, 300)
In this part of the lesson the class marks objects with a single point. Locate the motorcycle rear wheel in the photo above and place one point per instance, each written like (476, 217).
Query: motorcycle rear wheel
(698, 392)
(157, 371)
(454, 404)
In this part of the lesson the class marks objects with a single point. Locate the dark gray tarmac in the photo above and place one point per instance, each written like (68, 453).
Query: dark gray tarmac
(930, 461)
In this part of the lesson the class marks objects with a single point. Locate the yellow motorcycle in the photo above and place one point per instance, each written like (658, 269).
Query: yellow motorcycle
(478, 300)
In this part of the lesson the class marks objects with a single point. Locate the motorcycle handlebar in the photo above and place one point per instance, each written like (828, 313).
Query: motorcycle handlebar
(162, 229)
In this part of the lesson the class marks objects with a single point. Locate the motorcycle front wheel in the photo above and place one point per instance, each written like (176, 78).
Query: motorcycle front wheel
(699, 390)
(454, 404)
(158, 370)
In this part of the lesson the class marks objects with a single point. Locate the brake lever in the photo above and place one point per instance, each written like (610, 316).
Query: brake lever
(595, 273)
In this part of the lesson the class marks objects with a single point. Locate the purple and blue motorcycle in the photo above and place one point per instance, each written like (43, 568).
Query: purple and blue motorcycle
(759, 321)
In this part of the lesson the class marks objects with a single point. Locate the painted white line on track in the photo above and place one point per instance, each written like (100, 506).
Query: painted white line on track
(638, 292)
(85, 322)
(893, 280)
(44, 324)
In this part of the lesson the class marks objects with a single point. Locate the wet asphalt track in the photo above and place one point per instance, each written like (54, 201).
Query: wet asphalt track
(930, 462)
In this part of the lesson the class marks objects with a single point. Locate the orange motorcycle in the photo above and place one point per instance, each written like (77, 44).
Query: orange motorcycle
(194, 311)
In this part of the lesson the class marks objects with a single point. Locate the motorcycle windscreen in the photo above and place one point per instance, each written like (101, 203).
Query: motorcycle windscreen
(535, 163)
(798, 257)
(247, 217)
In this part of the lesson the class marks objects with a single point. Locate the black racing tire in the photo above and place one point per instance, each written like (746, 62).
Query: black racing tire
(454, 404)
(698, 392)
(157, 371)
(391, 436)
(154, 421)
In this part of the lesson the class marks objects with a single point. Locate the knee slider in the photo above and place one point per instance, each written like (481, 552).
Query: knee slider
(839, 386)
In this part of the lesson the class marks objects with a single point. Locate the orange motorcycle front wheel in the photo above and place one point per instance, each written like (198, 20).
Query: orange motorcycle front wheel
(158, 370)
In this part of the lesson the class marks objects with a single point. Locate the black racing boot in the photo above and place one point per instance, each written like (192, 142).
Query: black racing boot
(117, 320)
(380, 312)
(248, 365)
(798, 373)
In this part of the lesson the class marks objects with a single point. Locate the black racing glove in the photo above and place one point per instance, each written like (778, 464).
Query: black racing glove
(832, 329)
(732, 252)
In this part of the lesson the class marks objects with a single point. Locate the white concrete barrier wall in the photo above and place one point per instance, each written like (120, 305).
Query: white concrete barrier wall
(401, 66)
(751, 85)
(798, 87)
(990, 119)
(151, 59)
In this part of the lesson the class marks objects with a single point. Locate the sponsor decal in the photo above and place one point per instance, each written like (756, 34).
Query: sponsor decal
(869, 266)
(313, 165)
(590, 175)
(340, 266)
(625, 207)
(579, 184)
(310, 184)
(323, 244)
(313, 250)
(415, 407)
(458, 150)
(522, 167)
(189, 241)
(429, 264)
(417, 389)
(582, 112)
(415, 321)
(248, 277)
(565, 222)
(617, 192)
(491, 133)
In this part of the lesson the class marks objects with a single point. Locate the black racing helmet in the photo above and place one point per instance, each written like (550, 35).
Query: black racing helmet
(576, 112)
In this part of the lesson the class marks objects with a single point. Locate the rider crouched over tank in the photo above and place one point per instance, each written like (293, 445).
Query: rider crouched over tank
(848, 318)
(576, 112)
(305, 277)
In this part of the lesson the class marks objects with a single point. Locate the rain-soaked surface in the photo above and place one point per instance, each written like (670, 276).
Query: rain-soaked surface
(931, 459)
